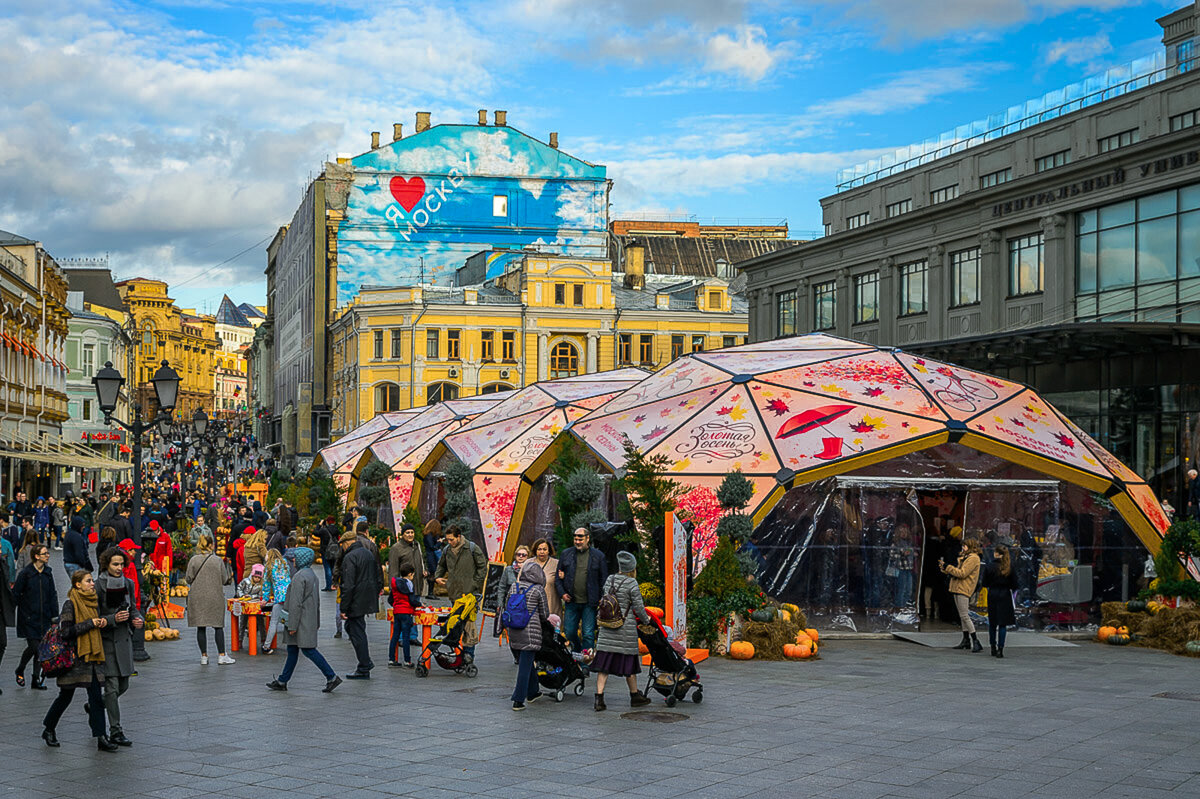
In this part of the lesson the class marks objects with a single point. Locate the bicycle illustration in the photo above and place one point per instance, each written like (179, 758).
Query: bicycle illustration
(962, 393)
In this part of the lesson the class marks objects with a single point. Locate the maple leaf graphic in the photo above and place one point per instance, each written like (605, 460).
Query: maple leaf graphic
(655, 433)
(737, 413)
(778, 407)
(809, 383)
(1064, 440)
(995, 383)
(639, 418)
(724, 411)
(873, 391)
(862, 427)
(487, 481)
(1017, 422)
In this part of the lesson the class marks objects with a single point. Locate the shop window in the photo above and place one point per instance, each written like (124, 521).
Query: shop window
(564, 360)
(1026, 270)
(825, 305)
(625, 348)
(866, 297)
(785, 313)
(964, 277)
(387, 398)
(914, 288)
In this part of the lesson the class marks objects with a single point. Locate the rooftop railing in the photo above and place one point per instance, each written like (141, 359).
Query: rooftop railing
(1113, 83)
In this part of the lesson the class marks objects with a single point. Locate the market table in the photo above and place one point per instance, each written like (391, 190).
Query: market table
(251, 609)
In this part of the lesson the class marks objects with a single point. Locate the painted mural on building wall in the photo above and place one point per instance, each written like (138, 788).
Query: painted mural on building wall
(455, 190)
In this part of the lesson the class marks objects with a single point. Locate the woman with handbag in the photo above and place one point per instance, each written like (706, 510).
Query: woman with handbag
(37, 604)
(616, 633)
(79, 627)
(207, 576)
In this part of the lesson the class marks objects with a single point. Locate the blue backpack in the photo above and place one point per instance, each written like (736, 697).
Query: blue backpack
(516, 613)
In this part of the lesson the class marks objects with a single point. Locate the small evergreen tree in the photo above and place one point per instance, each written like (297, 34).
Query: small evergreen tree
(373, 489)
(651, 495)
(734, 495)
(324, 495)
(460, 499)
(412, 516)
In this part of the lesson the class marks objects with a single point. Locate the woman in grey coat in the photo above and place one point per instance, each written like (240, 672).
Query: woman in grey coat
(617, 647)
(115, 602)
(526, 641)
(302, 619)
(207, 576)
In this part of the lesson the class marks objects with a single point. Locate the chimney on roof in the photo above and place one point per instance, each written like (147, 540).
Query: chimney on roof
(374, 140)
(422, 121)
(554, 140)
(397, 131)
(483, 116)
(501, 118)
(635, 265)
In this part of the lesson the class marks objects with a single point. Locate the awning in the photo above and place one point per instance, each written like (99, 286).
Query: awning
(22, 446)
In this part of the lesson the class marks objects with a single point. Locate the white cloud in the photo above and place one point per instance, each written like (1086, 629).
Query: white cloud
(746, 53)
(1084, 50)
(904, 91)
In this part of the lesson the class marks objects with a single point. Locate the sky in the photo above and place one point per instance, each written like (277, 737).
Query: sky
(176, 137)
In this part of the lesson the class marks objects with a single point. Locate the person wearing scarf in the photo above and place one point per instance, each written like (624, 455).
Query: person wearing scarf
(79, 625)
(115, 594)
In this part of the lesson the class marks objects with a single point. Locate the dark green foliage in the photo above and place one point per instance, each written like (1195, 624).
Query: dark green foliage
(460, 498)
(736, 527)
(324, 496)
(571, 459)
(457, 476)
(412, 516)
(586, 518)
(706, 614)
(373, 488)
(651, 495)
(722, 575)
(1181, 542)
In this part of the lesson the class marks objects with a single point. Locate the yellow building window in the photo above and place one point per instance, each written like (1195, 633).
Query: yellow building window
(676, 346)
(432, 343)
(646, 349)
(560, 293)
(697, 343)
(508, 345)
(439, 392)
(487, 345)
(564, 361)
(387, 398)
(625, 348)
(453, 338)
(714, 300)
(577, 294)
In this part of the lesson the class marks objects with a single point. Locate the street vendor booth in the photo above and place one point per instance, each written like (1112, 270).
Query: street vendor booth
(869, 464)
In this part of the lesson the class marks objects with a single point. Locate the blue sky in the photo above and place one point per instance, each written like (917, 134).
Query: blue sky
(177, 136)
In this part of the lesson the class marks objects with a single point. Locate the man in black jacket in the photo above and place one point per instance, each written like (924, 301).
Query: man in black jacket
(580, 579)
(75, 548)
(360, 596)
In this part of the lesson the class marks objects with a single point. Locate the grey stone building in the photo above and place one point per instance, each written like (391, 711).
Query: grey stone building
(1056, 243)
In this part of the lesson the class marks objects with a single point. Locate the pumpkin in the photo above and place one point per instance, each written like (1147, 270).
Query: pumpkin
(797, 651)
(1135, 605)
(1122, 630)
(1192, 647)
(149, 635)
(741, 650)
(812, 633)
(803, 640)
(790, 608)
(785, 615)
(1118, 639)
(789, 651)
(158, 635)
(657, 613)
(1104, 632)
(762, 615)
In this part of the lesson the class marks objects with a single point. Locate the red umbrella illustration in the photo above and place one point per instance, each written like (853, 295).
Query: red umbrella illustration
(814, 418)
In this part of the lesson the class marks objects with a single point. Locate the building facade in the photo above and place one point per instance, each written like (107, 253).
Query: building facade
(1057, 244)
(33, 398)
(410, 212)
(547, 317)
(161, 331)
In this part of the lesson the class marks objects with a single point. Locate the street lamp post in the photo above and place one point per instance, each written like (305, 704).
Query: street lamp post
(108, 382)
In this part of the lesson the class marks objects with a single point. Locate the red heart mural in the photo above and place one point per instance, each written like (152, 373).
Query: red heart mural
(408, 192)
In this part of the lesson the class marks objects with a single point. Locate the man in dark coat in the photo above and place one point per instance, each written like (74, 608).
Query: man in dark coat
(360, 596)
(581, 574)
(37, 604)
(75, 548)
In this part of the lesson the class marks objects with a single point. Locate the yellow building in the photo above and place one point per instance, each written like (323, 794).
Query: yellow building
(544, 317)
(164, 332)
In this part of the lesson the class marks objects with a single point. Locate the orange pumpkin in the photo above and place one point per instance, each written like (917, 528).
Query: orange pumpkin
(1122, 630)
(811, 632)
(1104, 632)
(657, 613)
(797, 651)
(803, 640)
(741, 650)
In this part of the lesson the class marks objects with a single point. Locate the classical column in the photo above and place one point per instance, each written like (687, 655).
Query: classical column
(843, 302)
(937, 290)
(543, 355)
(1058, 263)
(887, 302)
(593, 347)
(993, 281)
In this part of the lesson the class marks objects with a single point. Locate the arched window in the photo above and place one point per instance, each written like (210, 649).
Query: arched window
(437, 392)
(387, 398)
(564, 360)
(495, 388)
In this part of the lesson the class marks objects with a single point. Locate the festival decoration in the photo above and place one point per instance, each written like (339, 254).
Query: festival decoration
(343, 457)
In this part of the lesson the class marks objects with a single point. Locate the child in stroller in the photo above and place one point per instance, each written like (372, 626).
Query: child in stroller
(671, 674)
(557, 667)
(445, 647)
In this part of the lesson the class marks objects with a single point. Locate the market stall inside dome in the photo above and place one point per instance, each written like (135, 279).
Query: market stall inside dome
(869, 464)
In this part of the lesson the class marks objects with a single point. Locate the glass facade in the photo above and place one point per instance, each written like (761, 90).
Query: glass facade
(1026, 265)
(1139, 260)
(866, 297)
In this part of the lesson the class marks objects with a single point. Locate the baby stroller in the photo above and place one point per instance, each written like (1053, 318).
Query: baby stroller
(445, 646)
(556, 665)
(671, 674)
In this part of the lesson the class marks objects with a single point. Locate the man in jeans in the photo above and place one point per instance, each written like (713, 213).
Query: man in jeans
(581, 574)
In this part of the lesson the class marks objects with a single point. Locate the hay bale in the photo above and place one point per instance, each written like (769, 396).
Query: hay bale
(1170, 630)
(769, 637)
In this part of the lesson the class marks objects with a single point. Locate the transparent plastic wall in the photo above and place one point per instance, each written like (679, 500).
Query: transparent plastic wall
(860, 552)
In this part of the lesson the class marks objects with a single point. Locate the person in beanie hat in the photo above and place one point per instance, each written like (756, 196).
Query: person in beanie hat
(360, 596)
(617, 646)
(303, 611)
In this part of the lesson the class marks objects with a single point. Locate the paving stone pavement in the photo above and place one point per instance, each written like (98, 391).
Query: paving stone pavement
(868, 719)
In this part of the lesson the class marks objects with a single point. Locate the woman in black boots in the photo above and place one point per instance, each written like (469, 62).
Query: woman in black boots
(1000, 581)
(963, 577)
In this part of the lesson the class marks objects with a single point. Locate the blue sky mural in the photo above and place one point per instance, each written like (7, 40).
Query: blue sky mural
(185, 131)
(419, 207)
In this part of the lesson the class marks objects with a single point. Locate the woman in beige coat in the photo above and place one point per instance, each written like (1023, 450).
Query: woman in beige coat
(963, 578)
(543, 555)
